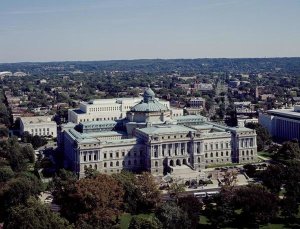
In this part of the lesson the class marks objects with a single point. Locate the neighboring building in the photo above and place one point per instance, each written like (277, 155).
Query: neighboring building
(109, 109)
(282, 124)
(38, 125)
(150, 139)
(197, 102)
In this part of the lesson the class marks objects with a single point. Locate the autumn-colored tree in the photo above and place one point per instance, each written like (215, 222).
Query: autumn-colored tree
(150, 194)
(229, 179)
(99, 201)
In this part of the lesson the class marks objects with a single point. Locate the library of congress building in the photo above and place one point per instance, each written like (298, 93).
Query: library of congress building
(145, 134)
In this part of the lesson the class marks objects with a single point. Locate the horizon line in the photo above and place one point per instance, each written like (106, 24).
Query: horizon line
(137, 59)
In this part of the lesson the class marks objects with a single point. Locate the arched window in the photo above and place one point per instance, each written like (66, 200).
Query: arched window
(211, 155)
(156, 164)
(105, 164)
(217, 154)
(206, 155)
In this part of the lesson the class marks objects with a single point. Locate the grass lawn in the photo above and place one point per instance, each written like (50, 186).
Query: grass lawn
(265, 154)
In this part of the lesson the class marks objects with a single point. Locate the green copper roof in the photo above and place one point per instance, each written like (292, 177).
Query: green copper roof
(149, 103)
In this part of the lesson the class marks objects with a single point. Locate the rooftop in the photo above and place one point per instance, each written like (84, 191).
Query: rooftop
(165, 129)
(293, 113)
(37, 119)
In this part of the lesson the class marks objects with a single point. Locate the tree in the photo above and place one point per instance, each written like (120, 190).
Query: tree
(263, 136)
(290, 150)
(176, 190)
(273, 178)
(3, 132)
(90, 172)
(34, 214)
(95, 202)
(192, 207)
(172, 216)
(229, 178)
(132, 196)
(150, 194)
(250, 169)
(258, 205)
(221, 210)
(289, 207)
(17, 191)
(142, 222)
(6, 173)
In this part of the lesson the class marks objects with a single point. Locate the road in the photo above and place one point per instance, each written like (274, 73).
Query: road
(166, 196)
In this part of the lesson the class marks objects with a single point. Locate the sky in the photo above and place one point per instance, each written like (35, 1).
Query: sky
(65, 30)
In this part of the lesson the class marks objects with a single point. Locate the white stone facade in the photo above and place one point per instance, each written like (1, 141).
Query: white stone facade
(38, 125)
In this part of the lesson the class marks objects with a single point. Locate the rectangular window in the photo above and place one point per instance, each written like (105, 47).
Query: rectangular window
(104, 155)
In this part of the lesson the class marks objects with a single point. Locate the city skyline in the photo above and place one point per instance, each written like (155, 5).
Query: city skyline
(131, 29)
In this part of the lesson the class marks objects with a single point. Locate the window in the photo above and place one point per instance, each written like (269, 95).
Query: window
(105, 164)
(222, 154)
(117, 154)
(206, 155)
(217, 154)
(104, 155)
(84, 158)
(117, 163)
(95, 157)
(211, 155)
(90, 157)
(111, 164)
(156, 164)
(110, 155)
(123, 154)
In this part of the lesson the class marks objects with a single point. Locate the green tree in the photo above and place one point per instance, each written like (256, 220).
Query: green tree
(142, 222)
(132, 196)
(221, 209)
(172, 216)
(34, 214)
(6, 173)
(258, 205)
(290, 150)
(192, 207)
(273, 178)
(175, 190)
